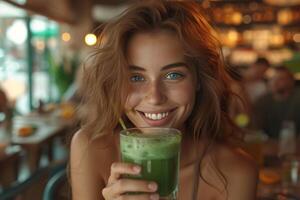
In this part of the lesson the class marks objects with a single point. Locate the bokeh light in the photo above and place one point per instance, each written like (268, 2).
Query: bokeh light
(90, 39)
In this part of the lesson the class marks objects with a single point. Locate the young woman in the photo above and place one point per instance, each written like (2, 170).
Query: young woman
(159, 65)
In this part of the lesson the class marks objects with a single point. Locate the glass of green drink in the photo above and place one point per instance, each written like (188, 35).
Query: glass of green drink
(157, 151)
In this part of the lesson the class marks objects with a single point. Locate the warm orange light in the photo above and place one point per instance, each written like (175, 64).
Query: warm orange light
(284, 16)
(277, 40)
(296, 37)
(231, 38)
(66, 37)
(237, 18)
(233, 35)
(40, 45)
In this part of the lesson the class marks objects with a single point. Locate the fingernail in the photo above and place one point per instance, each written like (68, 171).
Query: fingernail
(154, 196)
(137, 169)
(152, 186)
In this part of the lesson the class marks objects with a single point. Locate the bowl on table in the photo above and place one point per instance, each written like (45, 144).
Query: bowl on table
(26, 130)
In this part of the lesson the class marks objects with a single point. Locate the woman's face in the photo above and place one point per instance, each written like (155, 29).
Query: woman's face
(162, 86)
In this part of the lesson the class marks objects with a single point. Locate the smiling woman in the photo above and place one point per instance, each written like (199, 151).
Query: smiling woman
(163, 90)
(159, 65)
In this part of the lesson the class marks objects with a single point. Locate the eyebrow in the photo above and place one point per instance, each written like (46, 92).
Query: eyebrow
(166, 67)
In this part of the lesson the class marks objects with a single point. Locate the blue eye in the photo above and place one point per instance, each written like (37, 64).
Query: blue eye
(137, 78)
(174, 76)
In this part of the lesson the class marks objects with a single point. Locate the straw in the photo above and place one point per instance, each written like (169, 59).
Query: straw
(122, 123)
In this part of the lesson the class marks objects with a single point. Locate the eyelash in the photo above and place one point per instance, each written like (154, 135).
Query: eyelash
(139, 78)
(179, 75)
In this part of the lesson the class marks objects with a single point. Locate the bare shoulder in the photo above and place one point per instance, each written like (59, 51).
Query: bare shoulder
(240, 170)
(234, 160)
(98, 148)
(81, 140)
(90, 164)
(79, 144)
(80, 147)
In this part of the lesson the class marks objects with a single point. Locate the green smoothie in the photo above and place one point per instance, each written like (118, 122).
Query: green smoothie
(156, 150)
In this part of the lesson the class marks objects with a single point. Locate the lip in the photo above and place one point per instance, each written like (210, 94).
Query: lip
(161, 122)
(156, 111)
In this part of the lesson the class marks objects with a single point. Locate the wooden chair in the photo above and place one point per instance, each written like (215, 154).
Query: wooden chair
(9, 165)
(57, 187)
(33, 187)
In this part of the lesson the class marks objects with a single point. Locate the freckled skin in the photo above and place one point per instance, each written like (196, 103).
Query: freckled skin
(161, 89)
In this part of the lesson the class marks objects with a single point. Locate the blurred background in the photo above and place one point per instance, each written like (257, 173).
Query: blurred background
(44, 43)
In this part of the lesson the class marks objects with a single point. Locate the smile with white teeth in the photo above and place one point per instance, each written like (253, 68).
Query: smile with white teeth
(156, 116)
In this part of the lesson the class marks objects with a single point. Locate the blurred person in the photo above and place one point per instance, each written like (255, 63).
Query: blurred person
(3, 101)
(294, 62)
(6, 111)
(255, 82)
(281, 104)
(160, 57)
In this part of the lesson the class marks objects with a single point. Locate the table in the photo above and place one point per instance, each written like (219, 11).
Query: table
(48, 128)
(272, 172)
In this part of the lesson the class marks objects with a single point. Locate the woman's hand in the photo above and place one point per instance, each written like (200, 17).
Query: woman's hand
(118, 187)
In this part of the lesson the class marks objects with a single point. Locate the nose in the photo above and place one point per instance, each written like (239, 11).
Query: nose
(155, 94)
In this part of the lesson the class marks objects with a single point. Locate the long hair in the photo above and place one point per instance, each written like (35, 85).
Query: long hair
(105, 79)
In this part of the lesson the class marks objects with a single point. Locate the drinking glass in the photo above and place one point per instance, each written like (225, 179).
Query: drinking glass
(157, 151)
(254, 142)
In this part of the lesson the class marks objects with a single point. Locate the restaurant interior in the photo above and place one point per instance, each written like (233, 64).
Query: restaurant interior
(43, 45)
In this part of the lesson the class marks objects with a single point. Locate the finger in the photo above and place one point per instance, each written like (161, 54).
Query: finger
(117, 169)
(152, 196)
(123, 186)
